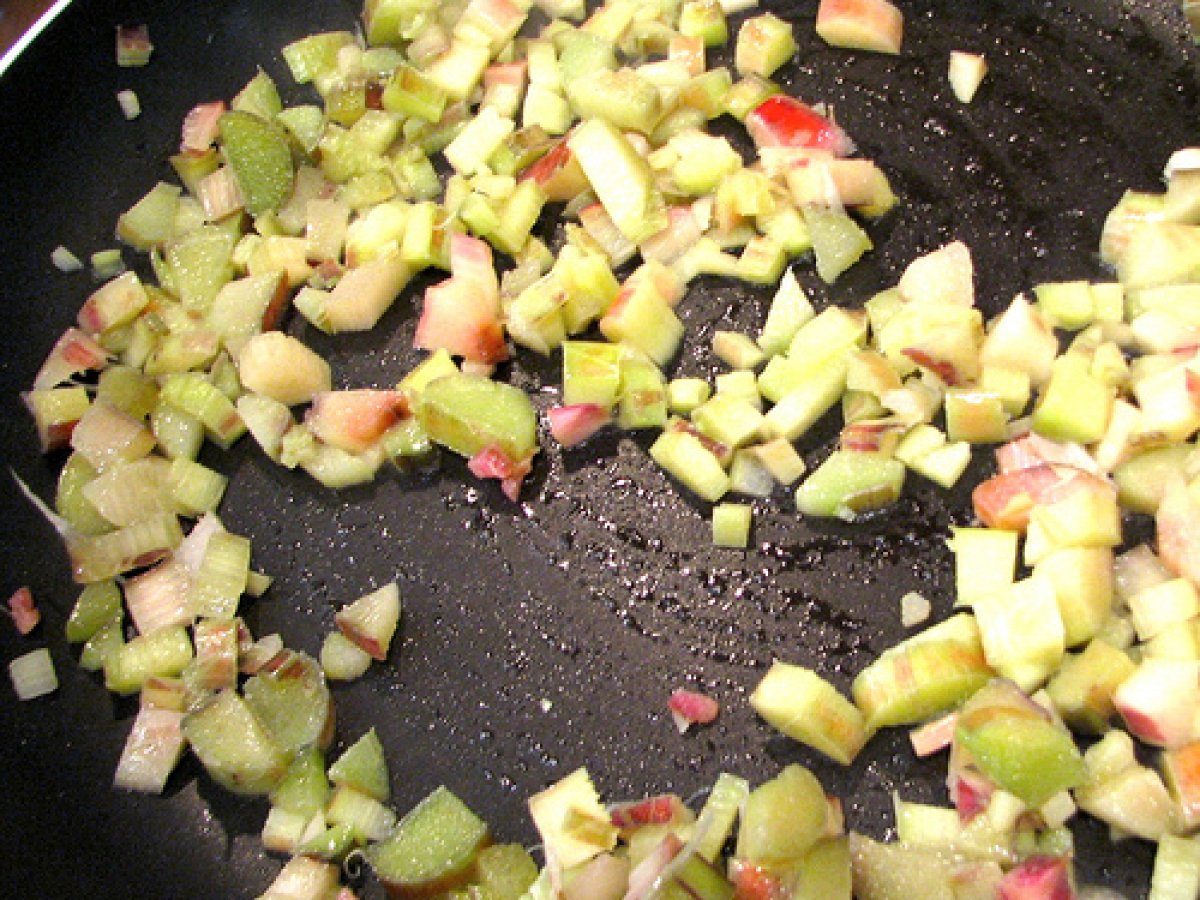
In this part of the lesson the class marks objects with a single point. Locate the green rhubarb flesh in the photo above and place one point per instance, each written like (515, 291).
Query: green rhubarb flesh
(304, 789)
(782, 817)
(1017, 745)
(363, 767)
(434, 847)
(849, 483)
(292, 702)
(98, 604)
(469, 413)
(236, 749)
(261, 160)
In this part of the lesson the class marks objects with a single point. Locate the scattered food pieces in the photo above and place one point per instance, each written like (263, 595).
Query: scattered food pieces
(967, 71)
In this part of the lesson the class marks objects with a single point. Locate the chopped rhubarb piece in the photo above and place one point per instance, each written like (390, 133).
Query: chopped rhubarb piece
(370, 621)
(970, 793)
(73, 353)
(935, 736)
(1005, 500)
(658, 810)
(1032, 450)
(1178, 521)
(752, 882)
(355, 420)
(454, 320)
(25, 614)
(782, 121)
(201, 126)
(558, 173)
(874, 25)
(462, 313)
(133, 45)
(492, 462)
(692, 708)
(572, 425)
(1037, 878)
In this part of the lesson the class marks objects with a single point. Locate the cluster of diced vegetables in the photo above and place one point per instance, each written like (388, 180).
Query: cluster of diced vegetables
(333, 209)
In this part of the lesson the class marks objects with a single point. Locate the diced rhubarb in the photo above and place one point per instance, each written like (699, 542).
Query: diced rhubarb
(1178, 521)
(782, 121)
(1005, 500)
(935, 736)
(115, 303)
(662, 809)
(371, 620)
(462, 313)
(201, 126)
(1038, 878)
(558, 173)
(755, 882)
(874, 25)
(970, 792)
(355, 420)
(73, 352)
(454, 319)
(493, 462)
(1158, 701)
(133, 46)
(24, 613)
(574, 424)
(692, 708)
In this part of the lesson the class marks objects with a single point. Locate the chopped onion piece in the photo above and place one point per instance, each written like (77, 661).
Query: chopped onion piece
(649, 873)
(64, 260)
(191, 551)
(33, 674)
(131, 107)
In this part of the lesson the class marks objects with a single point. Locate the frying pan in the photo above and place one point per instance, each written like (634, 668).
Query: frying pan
(546, 635)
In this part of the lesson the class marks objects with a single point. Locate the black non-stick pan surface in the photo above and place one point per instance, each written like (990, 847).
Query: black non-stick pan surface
(547, 635)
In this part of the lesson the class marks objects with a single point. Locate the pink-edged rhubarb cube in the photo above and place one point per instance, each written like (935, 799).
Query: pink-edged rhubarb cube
(874, 25)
